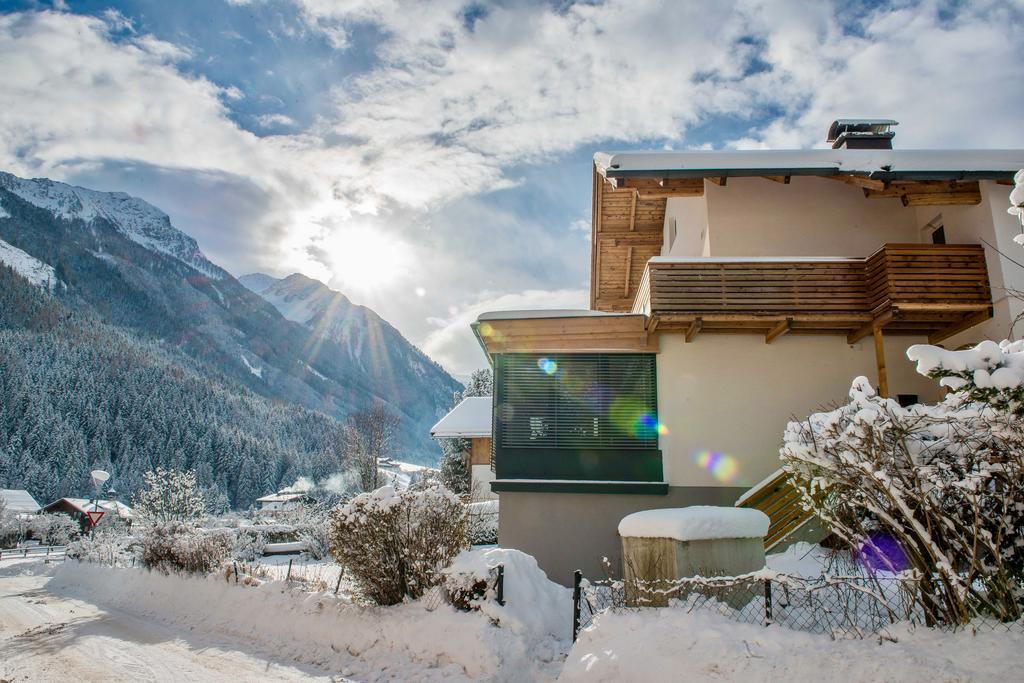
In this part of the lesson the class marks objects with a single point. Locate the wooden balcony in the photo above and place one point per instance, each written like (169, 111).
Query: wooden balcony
(925, 289)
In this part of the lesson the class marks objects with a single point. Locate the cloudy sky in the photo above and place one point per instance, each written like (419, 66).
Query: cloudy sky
(432, 159)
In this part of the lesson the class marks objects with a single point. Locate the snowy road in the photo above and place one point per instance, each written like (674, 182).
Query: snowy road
(44, 637)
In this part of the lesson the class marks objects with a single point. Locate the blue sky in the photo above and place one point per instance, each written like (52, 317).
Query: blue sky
(432, 160)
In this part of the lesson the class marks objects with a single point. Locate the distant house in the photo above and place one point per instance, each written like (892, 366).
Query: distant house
(471, 420)
(283, 501)
(78, 508)
(19, 502)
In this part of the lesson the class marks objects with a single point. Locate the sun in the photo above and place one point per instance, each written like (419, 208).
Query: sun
(366, 258)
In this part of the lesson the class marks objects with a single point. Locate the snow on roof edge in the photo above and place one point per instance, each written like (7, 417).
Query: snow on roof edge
(470, 418)
(553, 313)
(996, 162)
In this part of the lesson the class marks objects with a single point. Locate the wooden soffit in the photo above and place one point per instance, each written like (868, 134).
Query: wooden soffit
(592, 334)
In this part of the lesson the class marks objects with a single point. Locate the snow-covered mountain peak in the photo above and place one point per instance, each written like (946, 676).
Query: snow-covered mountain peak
(297, 297)
(136, 219)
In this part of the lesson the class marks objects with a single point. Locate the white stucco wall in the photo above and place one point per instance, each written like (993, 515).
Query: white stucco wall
(809, 217)
(734, 395)
(690, 216)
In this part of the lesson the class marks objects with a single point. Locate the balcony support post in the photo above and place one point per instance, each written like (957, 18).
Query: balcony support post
(883, 379)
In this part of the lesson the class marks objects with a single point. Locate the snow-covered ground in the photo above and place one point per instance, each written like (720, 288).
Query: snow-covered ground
(137, 625)
(400, 474)
(50, 636)
(672, 644)
(29, 267)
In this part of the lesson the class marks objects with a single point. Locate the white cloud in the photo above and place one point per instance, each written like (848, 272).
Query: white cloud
(454, 103)
(453, 346)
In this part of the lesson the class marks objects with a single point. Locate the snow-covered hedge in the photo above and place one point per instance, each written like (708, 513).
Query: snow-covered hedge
(394, 543)
(53, 529)
(938, 489)
(482, 518)
(179, 546)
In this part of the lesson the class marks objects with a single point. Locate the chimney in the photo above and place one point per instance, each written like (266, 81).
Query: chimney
(861, 133)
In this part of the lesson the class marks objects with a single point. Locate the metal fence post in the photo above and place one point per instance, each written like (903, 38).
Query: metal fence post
(577, 579)
(337, 586)
(288, 576)
(767, 602)
(500, 585)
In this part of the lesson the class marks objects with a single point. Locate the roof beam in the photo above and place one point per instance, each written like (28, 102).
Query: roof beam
(718, 180)
(693, 329)
(860, 181)
(869, 329)
(780, 328)
(784, 179)
(965, 324)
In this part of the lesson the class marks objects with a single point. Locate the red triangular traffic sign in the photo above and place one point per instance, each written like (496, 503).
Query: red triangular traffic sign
(95, 516)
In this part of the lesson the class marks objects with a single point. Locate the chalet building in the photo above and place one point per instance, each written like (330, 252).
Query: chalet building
(19, 503)
(283, 501)
(729, 292)
(471, 420)
(79, 509)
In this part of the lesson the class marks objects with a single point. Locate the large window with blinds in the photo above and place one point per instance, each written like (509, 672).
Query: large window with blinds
(555, 413)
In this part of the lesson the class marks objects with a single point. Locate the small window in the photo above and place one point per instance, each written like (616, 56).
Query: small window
(906, 400)
(939, 235)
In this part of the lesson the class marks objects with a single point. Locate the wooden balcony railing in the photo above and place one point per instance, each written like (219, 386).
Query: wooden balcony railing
(934, 290)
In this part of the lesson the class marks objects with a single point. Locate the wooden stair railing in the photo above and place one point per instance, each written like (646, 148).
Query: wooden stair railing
(778, 498)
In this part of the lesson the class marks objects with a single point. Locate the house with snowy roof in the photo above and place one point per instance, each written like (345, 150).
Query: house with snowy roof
(471, 420)
(283, 500)
(19, 502)
(729, 292)
(79, 509)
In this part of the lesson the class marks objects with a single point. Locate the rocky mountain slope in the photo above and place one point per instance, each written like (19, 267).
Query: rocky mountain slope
(121, 259)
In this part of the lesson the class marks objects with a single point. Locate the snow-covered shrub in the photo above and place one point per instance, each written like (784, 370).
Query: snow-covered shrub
(482, 521)
(394, 543)
(1017, 204)
(311, 521)
(170, 495)
(455, 469)
(249, 544)
(10, 528)
(105, 546)
(177, 546)
(53, 529)
(989, 373)
(938, 489)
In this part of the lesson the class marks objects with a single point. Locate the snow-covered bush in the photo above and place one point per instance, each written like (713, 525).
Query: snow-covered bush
(394, 543)
(1017, 203)
(10, 528)
(177, 546)
(938, 489)
(170, 495)
(455, 468)
(53, 529)
(249, 544)
(109, 546)
(482, 521)
(311, 522)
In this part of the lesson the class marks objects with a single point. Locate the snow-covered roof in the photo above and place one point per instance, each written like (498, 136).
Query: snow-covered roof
(539, 314)
(84, 505)
(695, 523)
(974, 163)
(19, 501)
(471, 418)
(282, 497)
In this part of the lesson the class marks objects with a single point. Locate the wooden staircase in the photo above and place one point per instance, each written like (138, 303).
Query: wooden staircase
(780, 500)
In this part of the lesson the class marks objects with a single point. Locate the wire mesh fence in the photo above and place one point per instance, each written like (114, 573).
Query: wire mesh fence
(464, 590)
(838, 606)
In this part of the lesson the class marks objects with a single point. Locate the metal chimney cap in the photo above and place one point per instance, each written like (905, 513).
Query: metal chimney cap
(878, 127)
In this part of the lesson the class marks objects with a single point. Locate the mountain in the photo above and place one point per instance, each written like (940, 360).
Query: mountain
(121, 260)
(369, 342)
(78, 394)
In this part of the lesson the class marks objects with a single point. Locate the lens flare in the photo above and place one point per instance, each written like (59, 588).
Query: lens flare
(721, 466)
(882, 552)
(547, 366)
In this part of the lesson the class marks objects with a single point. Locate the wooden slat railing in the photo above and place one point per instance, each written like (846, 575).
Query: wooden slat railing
(781, 501)
(903, 287)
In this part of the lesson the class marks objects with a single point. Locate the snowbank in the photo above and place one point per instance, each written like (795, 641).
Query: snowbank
(695, 523)
(405, 642)
(671, 644)
(533, 604)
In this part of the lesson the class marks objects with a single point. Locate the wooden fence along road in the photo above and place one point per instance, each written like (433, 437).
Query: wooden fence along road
(53, 553)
